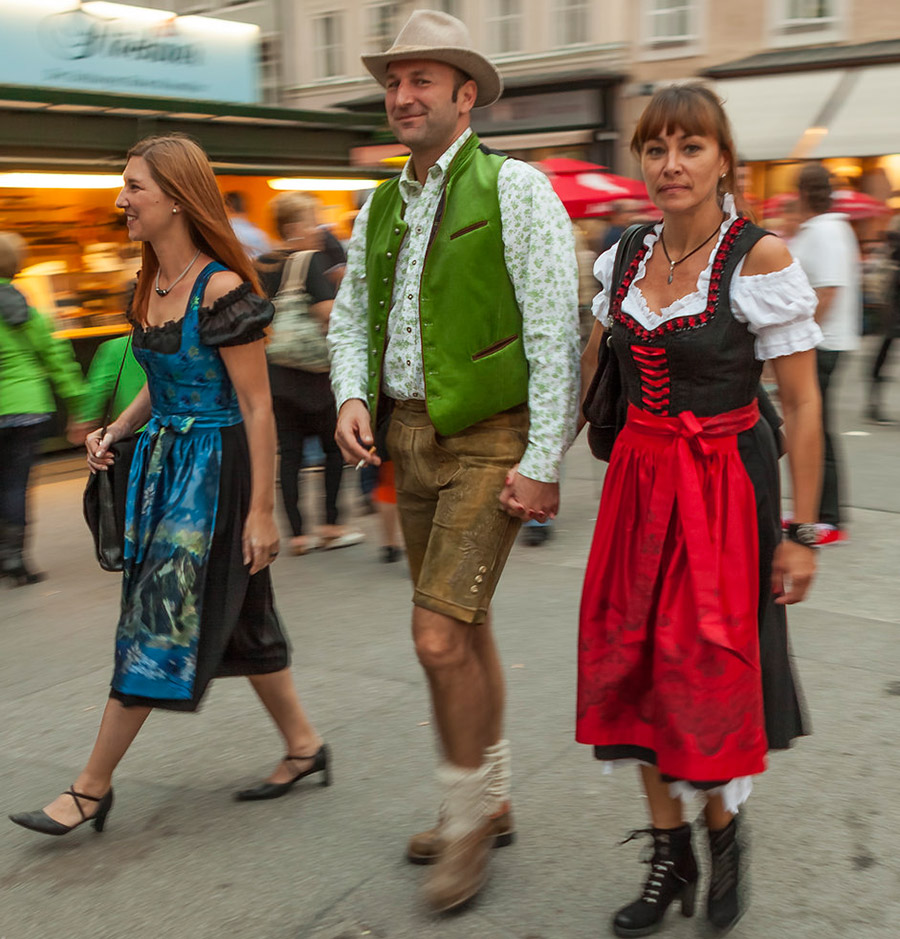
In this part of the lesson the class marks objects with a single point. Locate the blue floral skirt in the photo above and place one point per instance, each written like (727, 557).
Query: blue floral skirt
(239, 631)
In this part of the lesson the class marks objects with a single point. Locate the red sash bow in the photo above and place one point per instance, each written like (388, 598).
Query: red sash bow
(685, 441)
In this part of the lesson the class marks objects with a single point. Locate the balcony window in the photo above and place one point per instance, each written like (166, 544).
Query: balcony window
(504, 26)
(671, 22)
(572, 21)
(329, 45)
(453, 7)
(381, 26)
(809, 13)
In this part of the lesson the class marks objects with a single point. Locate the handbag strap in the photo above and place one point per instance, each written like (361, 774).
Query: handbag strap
(629, 244)
(296, 270)
(112, 397)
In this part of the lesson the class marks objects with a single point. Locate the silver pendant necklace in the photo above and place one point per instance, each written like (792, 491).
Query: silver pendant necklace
(180, 277)
(674, 264)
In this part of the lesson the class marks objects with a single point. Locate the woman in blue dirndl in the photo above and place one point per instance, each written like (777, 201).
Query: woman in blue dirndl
(200, 535)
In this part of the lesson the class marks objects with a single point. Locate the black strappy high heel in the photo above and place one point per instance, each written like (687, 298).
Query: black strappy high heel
(41, 821)
(270, 790)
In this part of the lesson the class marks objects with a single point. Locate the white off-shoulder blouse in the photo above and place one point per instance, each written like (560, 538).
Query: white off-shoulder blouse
(778, 307)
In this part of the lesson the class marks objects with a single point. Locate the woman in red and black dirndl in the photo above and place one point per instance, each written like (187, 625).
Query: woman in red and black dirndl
(683, 659)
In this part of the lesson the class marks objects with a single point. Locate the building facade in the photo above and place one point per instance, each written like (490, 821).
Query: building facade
(801, 78)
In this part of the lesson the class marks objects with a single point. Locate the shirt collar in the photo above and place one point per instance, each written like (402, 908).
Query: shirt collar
(410, 186)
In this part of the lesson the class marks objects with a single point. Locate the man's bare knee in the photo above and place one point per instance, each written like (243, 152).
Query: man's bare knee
(441, 641)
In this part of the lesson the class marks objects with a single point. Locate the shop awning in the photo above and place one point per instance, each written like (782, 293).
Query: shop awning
(48, 129)
(865, 123)
(770, 114)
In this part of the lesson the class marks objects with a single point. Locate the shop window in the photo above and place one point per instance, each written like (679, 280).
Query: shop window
(504, 26)
(381, 26)
(329, 51)
(572, 21)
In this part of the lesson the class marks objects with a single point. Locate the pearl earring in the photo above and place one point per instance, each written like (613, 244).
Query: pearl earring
(174, 210)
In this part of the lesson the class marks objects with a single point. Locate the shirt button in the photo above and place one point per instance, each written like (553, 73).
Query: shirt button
(384, 280)
(408, 362)
(415, 394)
(419, 230)
(409, 329)
(414, 262)
(473, 588)
(396, 231)
(378, 327)
(390, 254)
(381, 303)
(409, 296)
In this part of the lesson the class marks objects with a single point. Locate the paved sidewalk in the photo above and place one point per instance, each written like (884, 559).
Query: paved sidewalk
(181, 860)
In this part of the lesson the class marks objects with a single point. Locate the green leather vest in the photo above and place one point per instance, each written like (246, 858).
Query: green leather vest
(470, 323)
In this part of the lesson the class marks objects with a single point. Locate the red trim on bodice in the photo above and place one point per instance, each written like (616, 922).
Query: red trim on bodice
(679, 322)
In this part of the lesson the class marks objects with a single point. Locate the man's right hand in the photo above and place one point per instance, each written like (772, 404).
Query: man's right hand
(354, 433)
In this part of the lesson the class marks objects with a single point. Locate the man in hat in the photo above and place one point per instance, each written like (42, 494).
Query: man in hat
(458, 316)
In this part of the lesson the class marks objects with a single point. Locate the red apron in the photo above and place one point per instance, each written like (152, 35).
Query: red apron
(668, 656)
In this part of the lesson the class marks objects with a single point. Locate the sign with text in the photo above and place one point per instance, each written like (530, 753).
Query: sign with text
(99, 46)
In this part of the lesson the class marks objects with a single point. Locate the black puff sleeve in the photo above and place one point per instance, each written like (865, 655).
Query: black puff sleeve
(236, 319)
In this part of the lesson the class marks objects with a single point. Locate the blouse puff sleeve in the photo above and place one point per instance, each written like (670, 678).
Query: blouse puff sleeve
(778, 309)
(603, 270)
(235, 319)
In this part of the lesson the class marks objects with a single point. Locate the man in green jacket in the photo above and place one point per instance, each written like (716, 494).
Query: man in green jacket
(458, 315)
(32, 365)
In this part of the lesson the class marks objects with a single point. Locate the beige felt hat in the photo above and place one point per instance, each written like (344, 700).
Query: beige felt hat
(440, 37)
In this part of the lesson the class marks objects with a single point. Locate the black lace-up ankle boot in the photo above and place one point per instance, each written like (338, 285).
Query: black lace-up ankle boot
(723, 907)
(673, 875)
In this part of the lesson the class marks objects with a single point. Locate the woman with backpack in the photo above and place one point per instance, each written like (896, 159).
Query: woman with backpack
(301, 395)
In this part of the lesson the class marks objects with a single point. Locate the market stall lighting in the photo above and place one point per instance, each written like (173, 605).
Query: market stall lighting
(60, 181)
(309, 184)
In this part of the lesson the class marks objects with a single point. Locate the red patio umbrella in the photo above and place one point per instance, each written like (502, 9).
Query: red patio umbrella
(857, 205)
(586, 190)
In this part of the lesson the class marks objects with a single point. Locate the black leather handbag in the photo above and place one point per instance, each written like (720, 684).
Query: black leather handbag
(605, 405)
(104, 495)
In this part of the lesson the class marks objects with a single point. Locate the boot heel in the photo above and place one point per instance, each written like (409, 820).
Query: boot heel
(688, 899)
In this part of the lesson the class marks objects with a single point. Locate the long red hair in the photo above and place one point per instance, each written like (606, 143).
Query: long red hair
(697, 110)
(181, 169)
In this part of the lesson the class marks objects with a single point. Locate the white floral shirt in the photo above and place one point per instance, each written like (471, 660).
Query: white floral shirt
(539, 248)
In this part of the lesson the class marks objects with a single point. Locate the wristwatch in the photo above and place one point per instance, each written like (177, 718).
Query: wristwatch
(804, 533)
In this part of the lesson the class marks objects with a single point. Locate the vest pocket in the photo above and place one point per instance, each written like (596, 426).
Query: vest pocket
(468, 228)
(495, 346)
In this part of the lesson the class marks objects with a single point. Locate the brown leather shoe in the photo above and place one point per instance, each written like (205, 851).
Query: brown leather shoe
(425, 847)
(460, 870)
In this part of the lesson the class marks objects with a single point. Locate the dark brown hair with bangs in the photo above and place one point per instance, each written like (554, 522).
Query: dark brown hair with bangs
(181, 169)
(696, 110)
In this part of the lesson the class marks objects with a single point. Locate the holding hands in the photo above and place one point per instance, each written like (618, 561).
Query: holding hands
(526, 498)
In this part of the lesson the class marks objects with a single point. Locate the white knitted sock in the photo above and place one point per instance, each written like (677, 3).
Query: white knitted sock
(464, 798)
(497, 758)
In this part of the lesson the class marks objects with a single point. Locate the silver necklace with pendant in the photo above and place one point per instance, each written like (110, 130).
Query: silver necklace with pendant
(159, 290)
(674, 264)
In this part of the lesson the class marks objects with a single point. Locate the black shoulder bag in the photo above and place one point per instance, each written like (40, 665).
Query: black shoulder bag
(605, 405)
(104, 494)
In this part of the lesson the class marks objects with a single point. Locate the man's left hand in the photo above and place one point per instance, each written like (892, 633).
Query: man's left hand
(527, 498)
